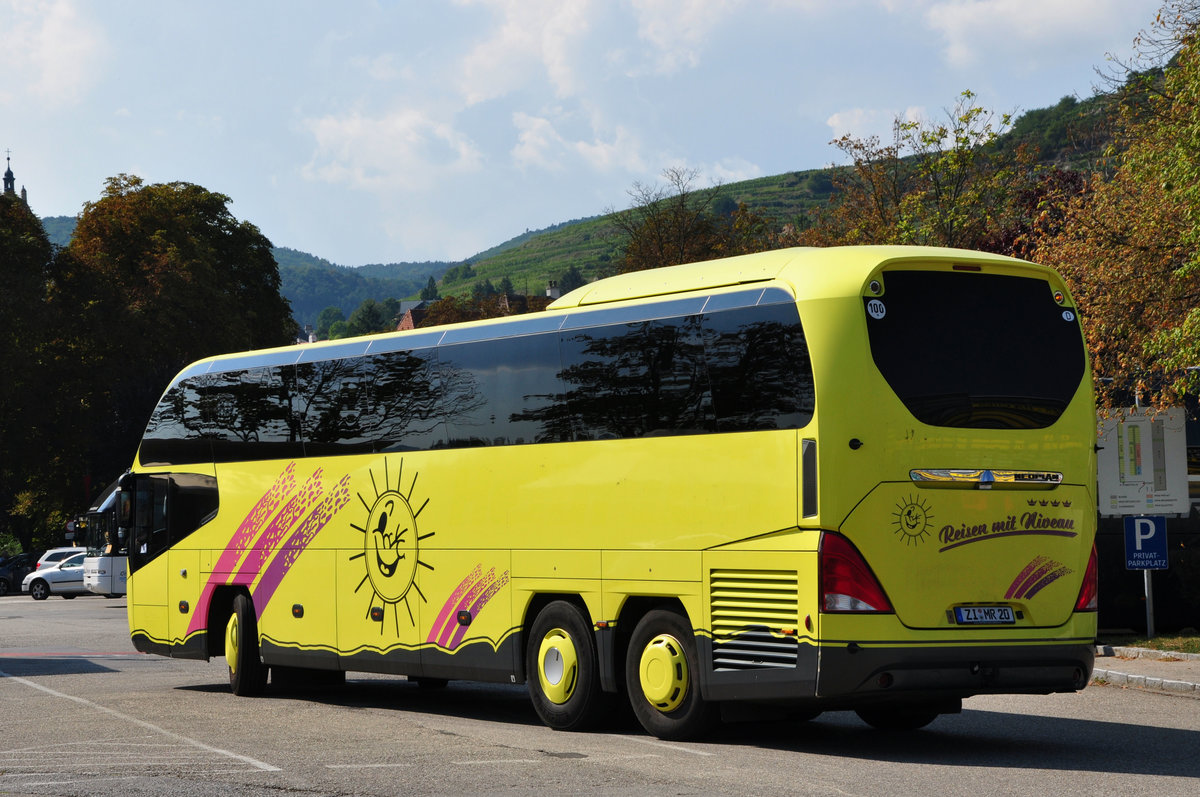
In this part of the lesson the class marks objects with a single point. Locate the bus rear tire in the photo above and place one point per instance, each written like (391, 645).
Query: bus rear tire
(247, 673)
(562, 669)
(898, 718)
(661, 672)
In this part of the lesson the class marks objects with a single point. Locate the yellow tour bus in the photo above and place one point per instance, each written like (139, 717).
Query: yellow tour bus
(856, 478)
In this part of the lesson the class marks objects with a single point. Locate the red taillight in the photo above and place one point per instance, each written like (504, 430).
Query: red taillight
(847, 583)
(1088, 590)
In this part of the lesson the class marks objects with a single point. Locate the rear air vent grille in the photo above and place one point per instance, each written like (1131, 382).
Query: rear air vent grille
(749, 609)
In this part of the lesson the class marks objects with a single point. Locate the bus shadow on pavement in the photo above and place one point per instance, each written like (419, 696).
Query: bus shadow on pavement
(989, 739)
(28, 666)
(502, 703)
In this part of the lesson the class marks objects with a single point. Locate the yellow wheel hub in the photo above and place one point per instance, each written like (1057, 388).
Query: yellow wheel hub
(558, 666)
(663, 673)
(231, 642)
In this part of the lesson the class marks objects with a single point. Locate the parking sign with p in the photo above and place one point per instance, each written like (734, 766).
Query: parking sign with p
(1145, 542)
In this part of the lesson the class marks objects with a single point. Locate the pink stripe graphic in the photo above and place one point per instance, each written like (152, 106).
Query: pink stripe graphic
(1047, 581)
(478, 605)
(448, 610)
(282, 523)
(249, 528)
(466, 600)
(1036, 576)
(1024, 574)
(242, 538)
(300, 539)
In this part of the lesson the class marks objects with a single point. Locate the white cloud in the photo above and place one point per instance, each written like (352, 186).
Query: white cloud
(732, 170)
(621, 152)
(541, 145)
(404, 150)
(383, 68)
(538, 143)
(678, 30)
(48, 51)
(533, 36)
(866, 122)
(1030, 32)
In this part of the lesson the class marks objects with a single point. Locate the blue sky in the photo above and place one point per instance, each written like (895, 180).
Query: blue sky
(368, 131)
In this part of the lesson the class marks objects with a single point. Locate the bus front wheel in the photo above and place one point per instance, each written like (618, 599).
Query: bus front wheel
(562, 668)
(660, 672)
(247, 673)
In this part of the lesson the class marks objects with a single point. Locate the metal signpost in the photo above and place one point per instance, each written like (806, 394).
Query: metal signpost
(1146, 550)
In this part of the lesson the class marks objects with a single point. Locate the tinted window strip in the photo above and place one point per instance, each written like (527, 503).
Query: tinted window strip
(783, 399)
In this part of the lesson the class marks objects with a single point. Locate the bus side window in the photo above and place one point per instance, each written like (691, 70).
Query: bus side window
(759, 365)
(150, 535)
(166, 509)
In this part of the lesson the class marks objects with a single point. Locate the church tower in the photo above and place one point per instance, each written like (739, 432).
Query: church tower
(10, 182)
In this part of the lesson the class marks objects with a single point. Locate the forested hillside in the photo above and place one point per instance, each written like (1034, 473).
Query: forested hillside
(1071, 133)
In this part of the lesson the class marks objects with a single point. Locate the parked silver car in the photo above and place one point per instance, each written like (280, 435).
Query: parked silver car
(64, 577)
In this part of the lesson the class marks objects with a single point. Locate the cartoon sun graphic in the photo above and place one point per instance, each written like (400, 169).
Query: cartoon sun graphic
(391, 549)
(911, 518)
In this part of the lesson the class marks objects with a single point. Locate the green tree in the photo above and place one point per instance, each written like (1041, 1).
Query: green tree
(668, 224)
(430, 292)
(368, 318)
(326, 319)
(1130, 246)
(28, 394)
(940, 183)
(571, 279)
(158, 276)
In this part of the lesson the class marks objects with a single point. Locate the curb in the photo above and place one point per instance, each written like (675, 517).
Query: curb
(1145, 653)
(1152, 683)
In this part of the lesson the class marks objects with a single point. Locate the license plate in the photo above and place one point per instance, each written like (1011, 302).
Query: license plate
(984, 615)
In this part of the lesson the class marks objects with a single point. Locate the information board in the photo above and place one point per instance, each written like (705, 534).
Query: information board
(1142, 464)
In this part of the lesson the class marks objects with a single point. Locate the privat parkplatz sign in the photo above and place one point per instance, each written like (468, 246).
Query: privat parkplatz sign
(1145, 542)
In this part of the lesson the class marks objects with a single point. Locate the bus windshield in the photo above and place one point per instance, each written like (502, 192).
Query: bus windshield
(102, 537)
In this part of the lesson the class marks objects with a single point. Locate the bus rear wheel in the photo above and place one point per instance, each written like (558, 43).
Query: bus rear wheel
(661, 675)
(247, 673)
(562, 668)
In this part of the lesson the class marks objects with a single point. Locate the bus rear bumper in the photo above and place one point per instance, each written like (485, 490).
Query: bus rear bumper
(858, 674)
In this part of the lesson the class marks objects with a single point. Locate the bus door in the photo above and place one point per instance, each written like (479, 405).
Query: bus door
(147, 601)
(167, 508)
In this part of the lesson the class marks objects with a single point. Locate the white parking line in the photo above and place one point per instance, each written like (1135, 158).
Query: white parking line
(142, 723)
(675, 747)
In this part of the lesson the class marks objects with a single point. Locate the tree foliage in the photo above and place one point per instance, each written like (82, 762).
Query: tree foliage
(28, 390)
(937, 183)
(1130, 246)
(430, 292)
(155, 276)
(668, 224)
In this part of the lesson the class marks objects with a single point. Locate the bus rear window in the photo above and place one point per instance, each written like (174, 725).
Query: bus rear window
(970, 350)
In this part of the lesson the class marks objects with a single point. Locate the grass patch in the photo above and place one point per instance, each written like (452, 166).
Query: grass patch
(1179, 643)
